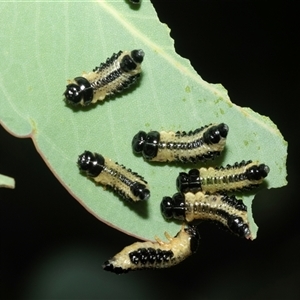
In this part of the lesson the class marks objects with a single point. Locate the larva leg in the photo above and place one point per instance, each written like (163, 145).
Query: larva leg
(168, 237)
(159, 241)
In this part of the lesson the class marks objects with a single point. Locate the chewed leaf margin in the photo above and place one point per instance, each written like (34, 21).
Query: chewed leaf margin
(169, 96)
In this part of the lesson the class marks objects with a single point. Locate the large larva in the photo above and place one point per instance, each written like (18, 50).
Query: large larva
(113, 76)
(125, 182)
(149, 255)
(203, 143)
(221, 208)
(237, 177)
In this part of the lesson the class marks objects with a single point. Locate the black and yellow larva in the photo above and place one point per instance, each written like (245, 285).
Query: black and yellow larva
(201, 144)
(128, 184)
(223, 209)
(237, 177)
(116, 74)
(155, 255)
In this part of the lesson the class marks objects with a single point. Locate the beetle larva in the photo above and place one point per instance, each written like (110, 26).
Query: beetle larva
(203, 143)
(237, 177)
(125, 182)
(113, 76)
(159, 254)
(220, 208)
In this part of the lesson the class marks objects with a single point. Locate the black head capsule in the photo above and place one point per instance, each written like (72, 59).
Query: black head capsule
(257, 172)
(138, 55)
(215, 133)
(140, 190)
(147, 144)
(79, 92)
(173, 207)
(91, 163)
(189, 182)
(129, 63)
(138, 142)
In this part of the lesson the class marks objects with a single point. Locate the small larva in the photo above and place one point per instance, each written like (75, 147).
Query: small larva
(113, 76)
(203, 143)
(237, 177)
(155, 255)
(125, 182)
(221, 208)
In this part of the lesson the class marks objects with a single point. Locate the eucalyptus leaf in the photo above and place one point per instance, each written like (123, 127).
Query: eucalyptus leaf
(7, 182)
(46, 43)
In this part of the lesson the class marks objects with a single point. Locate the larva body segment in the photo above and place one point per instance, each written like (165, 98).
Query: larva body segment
(220, 208)
(116, 74)
(201, 144)
(159, 254)
(237, 177)
(128, 184)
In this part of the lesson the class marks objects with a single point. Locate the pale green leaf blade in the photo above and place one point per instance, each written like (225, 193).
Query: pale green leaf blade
(43, 50)
(7, 182)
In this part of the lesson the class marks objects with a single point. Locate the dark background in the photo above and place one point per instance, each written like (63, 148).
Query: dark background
(52, 248)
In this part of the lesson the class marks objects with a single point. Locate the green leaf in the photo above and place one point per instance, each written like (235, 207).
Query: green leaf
(7, 182)
(43, 50)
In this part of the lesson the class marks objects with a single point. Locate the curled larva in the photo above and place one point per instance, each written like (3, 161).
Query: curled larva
(201, 144)
(220, 208)
(113, 76)
(237, 177)
(159, 254)
(125, 182)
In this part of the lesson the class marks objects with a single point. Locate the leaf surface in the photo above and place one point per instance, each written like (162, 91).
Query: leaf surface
(7, 182)
(50, 42)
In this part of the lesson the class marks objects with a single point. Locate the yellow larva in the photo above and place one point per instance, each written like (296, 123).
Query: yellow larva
(240, 176)
(201, 144)
(149, 255)
(113, 76)
(220, 208)
(128, 184)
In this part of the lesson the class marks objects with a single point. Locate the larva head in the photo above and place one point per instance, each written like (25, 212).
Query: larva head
(189, 182)
(80, 92)
(173, 207)
(194, 238)
(138, 142)
(151, 145)
(214, 134)
(91, 163)
(182, 182)
(238, 227)
(138, 55)
(139, 190)
(257, 172)
(109, 266)
(147, 144)
(130, 62)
